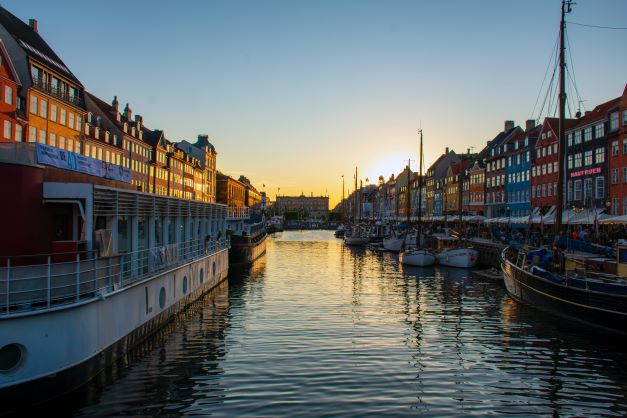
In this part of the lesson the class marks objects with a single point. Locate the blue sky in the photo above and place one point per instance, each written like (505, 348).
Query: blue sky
(296, 93)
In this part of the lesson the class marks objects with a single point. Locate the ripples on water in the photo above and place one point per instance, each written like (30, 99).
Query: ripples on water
(316, 328)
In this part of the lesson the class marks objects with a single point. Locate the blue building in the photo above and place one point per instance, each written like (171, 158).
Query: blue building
(518, 170)
(437, 202)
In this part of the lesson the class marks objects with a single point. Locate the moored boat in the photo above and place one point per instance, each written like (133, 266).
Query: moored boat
(249, 244)
(462, 257)
(417, 257)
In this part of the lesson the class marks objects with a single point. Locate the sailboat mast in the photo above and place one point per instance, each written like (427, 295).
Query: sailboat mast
(566, 7)
(408, 202)
(355, 199)
(420, 186)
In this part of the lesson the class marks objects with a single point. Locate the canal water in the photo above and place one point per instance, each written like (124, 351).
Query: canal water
(318, 329)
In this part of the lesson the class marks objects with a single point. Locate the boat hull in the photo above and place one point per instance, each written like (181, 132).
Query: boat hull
(66, 347)
(355, 240)
(419, 258)
(247, 252)
(458, 257)
(606, 310)
(393, 244)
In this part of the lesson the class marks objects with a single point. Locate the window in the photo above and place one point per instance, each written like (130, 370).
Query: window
(53, 112)
(624, 117)
(578, 160)
(624, 174)
(8, 95)
(600, 155)
(555, 148)
(570, 161)
(549, 168)
(550, 189)
(18, 133)
(587, 188)
(587, 134)
(70, 144)
(43, 109)
(569, 139)
(42, 136)
(538, 154)
(533, 192)
(588, 157)
(509, 160)
(615, 206)
(543, 169)
(555, 167)
(577, 191)
(615, 176)
(79, 122)
(527, 156)
(71, 120)
(577, 138)
(613, 121)
(62, 118)
(33, 105)
(62, 142)
(53, 139)
(544, 190)
(8, 129)
(543, 151)
(570, 191)
(599, 130)
(600, 187)
(32, 134)
(614, 148)
(624, 145)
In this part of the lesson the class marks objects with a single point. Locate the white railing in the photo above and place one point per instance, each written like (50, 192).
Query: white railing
(233, 212)
(35, 287)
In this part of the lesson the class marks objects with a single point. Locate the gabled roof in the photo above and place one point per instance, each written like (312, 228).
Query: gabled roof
(7, 59)
(34, 45)
(597, 114)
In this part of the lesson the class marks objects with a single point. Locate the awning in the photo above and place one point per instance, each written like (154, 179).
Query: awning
(608, 219)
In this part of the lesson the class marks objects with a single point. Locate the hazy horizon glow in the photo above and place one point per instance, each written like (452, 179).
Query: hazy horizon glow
(295, 94)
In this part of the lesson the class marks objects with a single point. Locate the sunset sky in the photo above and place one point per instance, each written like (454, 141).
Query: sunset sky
(294, 94)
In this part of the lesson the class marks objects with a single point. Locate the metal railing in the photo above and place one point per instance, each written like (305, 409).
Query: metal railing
(233, 212)
(37, 287)
(47, 86)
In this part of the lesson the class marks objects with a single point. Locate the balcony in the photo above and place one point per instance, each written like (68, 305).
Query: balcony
(47, 87)
(234, 213)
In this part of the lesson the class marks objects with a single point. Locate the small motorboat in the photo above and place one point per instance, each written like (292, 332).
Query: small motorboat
(417, 257)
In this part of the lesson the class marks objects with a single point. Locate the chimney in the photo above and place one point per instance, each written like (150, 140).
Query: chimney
(139, 121)
(446, 150)
(33, 24)
(128, 112)
(530, 124)
(115, 103)
(509, 124)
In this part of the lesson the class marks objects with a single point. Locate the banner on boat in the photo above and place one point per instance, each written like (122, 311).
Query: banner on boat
(67, 160)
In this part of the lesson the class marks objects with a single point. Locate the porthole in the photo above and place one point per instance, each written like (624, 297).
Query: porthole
(184, 285)
(11, 357)
(213, 269)
(202, 275)
(162, 297)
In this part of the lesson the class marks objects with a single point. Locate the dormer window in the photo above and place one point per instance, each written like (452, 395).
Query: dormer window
(125, 127)
(107, 135)
(96, 132)
(133, 131)
(141, 135)
(115, 140)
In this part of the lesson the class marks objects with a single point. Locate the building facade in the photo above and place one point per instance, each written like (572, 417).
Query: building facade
(495, 192)
(617, 138)
(518, 170)
(316, 206)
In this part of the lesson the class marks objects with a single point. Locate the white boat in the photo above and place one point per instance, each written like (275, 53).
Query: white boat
(419, 258)
(458, 257)
(394, 243)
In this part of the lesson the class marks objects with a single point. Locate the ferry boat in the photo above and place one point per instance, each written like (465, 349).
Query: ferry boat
(248, 243)
(135, 259)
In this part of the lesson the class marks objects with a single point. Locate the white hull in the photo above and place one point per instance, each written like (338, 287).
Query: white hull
(59, 340)
(419, 258)
(393, 244)
(458, 257)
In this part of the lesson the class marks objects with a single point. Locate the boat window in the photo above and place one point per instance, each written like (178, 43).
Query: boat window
(162, 297)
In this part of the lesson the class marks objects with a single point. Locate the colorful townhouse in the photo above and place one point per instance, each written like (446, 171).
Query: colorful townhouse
(495, 192)
(587, 165)
(435, 181)
(474, 203)
(12, 120)
(617, 138)
(518, 170)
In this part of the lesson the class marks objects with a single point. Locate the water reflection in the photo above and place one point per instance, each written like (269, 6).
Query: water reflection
(316, 328)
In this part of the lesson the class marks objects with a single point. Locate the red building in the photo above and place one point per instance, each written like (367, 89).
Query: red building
(476, 189)
(617, 139)
(12, 126)
(544, 165)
